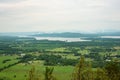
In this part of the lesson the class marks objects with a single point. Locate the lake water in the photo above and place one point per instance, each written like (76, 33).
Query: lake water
(68, 39)
(110, 37)
(61, 39)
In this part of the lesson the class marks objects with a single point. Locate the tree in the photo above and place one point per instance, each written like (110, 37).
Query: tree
(49, 74)
(101, 74)
(33, 75)
(113, 70)
(79, 69)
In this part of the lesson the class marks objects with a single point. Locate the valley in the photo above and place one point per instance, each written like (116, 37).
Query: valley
(19, 54)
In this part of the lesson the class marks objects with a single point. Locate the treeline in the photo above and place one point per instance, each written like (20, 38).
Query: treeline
(53, 60)
(49, 59)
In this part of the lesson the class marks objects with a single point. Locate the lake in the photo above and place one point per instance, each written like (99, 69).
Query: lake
(61, 39)
(68, 39)
(110, 37)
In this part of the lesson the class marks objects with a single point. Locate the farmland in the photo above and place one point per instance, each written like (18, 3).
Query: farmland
(19, 54)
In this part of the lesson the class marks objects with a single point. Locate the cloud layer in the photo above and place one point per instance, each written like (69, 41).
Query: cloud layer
(59, 15)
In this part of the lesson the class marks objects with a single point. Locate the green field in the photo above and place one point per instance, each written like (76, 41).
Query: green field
(22, 70)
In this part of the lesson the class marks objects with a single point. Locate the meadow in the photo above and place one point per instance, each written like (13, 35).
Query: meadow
(21, 70)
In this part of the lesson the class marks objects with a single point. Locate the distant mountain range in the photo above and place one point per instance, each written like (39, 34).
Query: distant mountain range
(17, 33)
(69, 34)
(64, 34)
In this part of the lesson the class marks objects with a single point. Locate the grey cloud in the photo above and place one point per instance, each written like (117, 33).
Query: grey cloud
(59, 14)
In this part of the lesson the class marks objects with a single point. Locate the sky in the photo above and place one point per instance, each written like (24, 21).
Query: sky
(59, 15)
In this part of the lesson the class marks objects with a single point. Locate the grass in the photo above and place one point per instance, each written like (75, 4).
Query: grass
(60, 49)
(12, 60)
(21, 70)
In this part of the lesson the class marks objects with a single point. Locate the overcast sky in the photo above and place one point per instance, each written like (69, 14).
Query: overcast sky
(59, 15)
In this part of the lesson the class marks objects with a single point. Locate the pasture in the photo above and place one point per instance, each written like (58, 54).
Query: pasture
(21, 70)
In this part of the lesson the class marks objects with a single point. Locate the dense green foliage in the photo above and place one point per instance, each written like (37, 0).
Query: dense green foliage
(56, 60)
